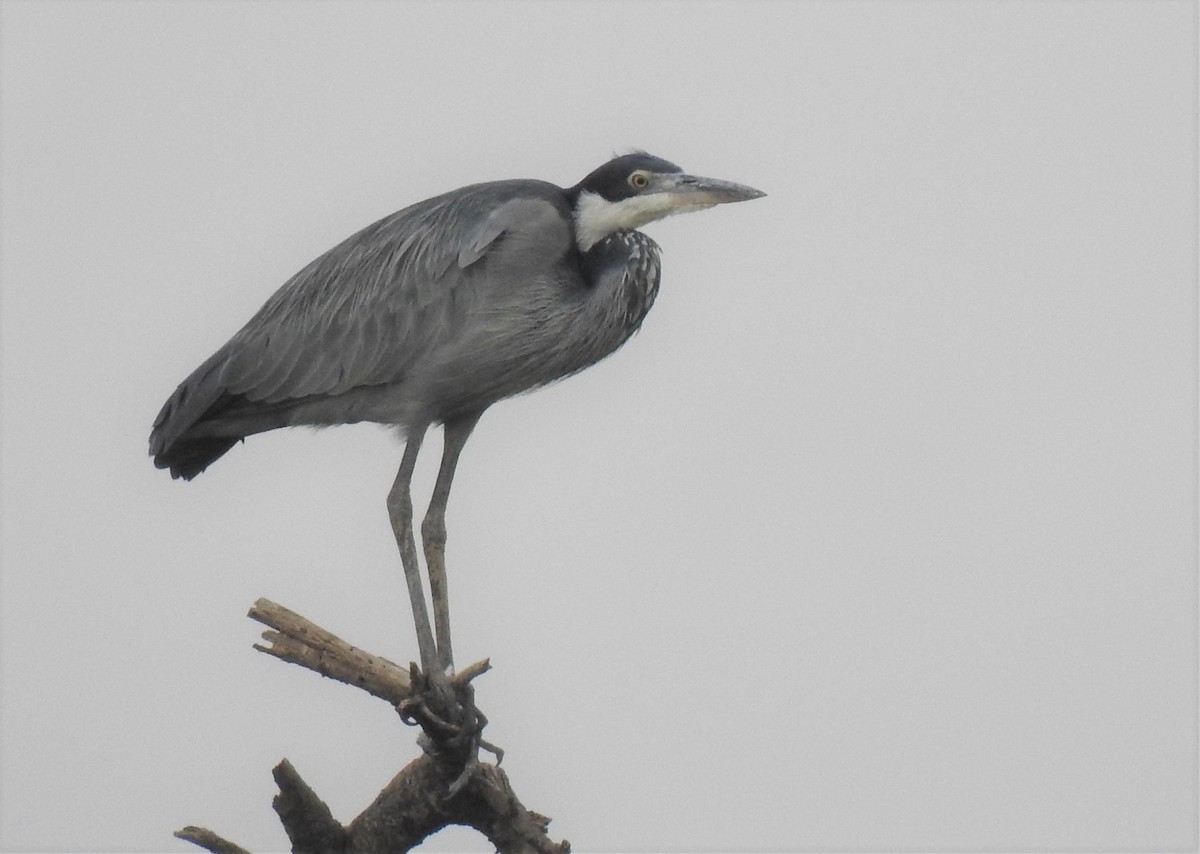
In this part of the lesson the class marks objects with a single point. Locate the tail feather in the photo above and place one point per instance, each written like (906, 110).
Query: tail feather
(197, 399)
(188, 457)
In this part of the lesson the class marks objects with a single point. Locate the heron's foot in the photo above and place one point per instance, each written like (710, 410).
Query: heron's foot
(443, 705)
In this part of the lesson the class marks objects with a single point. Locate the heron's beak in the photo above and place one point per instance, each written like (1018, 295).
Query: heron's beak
(692, 191)
(665, 194)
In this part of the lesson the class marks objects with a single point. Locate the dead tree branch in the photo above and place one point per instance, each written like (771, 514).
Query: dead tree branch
(447, 785)
(299, 641)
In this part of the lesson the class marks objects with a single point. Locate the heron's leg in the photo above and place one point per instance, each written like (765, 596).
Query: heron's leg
(433, 533)
(399, 504)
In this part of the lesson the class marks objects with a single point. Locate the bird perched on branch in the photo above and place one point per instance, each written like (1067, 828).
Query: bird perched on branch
(430, 316)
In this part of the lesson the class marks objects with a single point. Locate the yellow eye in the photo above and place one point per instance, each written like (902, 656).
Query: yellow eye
(639, 180)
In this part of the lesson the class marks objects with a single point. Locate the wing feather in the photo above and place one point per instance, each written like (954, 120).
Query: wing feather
(366, 311)
(369, 311)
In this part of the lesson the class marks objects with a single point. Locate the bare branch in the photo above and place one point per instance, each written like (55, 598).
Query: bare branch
(413, 806)
(473, 670)
(302, 642)
(309, 824)
(447, 785)
(209, 841)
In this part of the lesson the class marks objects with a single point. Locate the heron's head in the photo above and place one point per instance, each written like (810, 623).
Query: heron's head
(634, 189)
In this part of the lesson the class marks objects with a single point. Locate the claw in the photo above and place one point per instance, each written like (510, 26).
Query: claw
(468, 771)
(498, 752)
(453, 732)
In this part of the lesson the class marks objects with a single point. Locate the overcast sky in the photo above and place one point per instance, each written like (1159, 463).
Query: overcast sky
(880, 535)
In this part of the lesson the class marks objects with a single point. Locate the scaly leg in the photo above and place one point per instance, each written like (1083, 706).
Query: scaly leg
(399, 504)
(433, 534)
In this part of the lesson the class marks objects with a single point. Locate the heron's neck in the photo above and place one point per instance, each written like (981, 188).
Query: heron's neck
(596, 217)
(623, 269)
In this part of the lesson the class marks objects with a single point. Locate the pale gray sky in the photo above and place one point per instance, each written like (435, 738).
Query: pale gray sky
(880, 535)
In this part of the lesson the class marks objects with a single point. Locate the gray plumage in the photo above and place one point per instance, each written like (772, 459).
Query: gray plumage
(434, 313)
(444, 307)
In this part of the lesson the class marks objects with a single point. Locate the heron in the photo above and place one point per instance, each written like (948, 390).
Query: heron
(431, 315)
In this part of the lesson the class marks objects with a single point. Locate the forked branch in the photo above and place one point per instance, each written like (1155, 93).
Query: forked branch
(447, 785)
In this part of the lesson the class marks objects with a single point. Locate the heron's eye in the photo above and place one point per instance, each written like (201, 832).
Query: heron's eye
(639, 180)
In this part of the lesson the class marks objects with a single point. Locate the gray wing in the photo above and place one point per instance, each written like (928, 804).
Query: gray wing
(368, 310)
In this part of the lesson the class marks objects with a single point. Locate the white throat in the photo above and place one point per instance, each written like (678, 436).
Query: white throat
(596, 217)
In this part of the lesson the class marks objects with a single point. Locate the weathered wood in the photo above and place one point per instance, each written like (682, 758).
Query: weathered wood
(302, 642)
(410, 808)
(445, 786)
(209, 841)
(307, 820)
